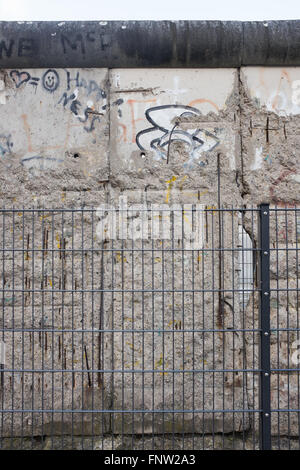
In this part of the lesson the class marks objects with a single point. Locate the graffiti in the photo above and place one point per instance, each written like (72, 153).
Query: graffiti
(75, 107)
(92, 127)
(72, 100)
(81, 42)
(37, 163)
(7, 48)
(29, 47)
(25, 47)
(276, 90)
(33, 161)
(134, 111)
(27, 130)
(19, 78)
(83, 112)
(164, 131)
(90, 86)
(5, 145)
(40, 149)
(268, 159)
(34, 81)
(65, 41)
(118, 103)
(50, 80)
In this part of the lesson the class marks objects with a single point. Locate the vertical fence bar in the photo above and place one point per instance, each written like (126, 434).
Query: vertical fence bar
(264, 353)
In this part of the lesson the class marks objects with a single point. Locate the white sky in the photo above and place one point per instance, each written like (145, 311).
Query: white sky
(38, 10)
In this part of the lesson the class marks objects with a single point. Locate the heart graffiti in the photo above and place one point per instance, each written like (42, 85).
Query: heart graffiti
(19, 77)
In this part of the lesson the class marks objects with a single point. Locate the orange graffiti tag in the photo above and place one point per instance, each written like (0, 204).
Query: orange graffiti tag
(284, 74)
(32, 148)
(202, 100)
(124, 132)
(135, 119)
(27, 131)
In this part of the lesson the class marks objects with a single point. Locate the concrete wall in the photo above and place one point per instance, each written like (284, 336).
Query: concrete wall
(82, 137)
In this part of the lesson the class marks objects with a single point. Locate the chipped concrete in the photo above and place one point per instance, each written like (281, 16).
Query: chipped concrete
(80, 138)
(269, 136)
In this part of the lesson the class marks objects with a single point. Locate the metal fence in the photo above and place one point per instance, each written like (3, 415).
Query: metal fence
(154, 340)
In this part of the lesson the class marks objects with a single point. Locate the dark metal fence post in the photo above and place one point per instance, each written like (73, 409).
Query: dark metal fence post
(264, 285)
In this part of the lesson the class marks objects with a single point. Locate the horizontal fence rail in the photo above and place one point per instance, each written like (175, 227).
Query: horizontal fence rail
(149, 329)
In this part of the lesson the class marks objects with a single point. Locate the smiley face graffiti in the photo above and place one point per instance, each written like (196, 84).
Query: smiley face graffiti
(50, 80)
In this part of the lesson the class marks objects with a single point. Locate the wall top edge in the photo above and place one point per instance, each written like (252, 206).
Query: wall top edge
(134, 44)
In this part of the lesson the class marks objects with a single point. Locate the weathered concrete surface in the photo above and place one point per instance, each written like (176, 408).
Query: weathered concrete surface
(188, 116)
(55, 124)
(44, 320)
(80, 141)
(284, 386)
(167, 348)
(270, 140)
(155, 115)
(270, 143)
(157, 352)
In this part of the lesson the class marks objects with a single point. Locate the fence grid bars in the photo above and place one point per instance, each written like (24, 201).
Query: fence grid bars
(156, 327)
